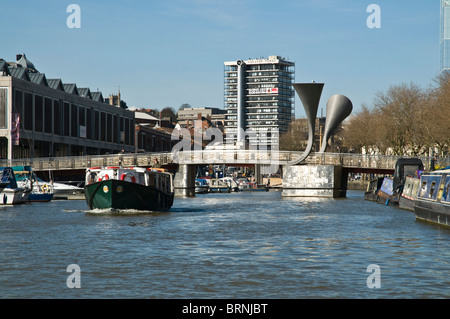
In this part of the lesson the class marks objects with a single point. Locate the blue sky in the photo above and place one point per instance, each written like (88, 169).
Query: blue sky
(166, 53)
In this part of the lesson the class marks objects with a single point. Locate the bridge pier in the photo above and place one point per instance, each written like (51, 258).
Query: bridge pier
(314, 181)
(184, 181)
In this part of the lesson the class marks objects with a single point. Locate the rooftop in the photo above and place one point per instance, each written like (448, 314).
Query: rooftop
(25, 70)
(270, 60)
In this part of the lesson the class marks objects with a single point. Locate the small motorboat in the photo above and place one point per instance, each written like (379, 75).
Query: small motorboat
(11, 194)
(201, 186)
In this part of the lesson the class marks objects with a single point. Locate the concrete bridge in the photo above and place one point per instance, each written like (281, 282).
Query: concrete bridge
(183, 165)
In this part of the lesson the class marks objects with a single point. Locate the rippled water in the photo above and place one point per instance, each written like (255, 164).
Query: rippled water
(237, 245)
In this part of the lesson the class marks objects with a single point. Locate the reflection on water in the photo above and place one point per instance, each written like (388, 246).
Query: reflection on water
(236, 245)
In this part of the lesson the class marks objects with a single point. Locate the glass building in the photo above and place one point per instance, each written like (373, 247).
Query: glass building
(445, 35)
(259, 99)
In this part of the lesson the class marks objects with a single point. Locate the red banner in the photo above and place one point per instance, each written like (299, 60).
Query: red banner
(15, 131)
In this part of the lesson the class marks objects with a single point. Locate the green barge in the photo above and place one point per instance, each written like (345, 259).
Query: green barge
(129, 188)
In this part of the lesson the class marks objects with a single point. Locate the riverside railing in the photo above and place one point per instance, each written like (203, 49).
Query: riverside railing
(216, 157)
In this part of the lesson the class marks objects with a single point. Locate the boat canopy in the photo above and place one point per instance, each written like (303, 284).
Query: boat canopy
(7, 176)
(407, 166)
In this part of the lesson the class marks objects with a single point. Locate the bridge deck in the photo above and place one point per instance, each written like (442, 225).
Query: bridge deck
(352, 162)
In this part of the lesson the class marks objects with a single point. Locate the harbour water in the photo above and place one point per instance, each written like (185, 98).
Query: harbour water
(236, 245)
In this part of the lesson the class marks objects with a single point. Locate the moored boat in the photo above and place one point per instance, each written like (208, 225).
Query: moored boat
(201, 186)
(232, 184)
(433, 201)
(63, 190)
(409, 193)
(373, 186)
(217, 185)
(129, 188)
(11, 194)
(244, 184)
(387, 194)
(37, 189)
(392, 187)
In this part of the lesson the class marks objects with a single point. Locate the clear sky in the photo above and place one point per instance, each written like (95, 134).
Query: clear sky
(166, 53)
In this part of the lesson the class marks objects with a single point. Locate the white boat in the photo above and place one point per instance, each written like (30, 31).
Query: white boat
(218, 186)
(11, 194)
(201, 186)
(234, 186)
(61, 189)
(35, 189)
(245, 184)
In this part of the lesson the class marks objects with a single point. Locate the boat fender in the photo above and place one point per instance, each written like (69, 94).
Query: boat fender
(44, 188)
(124, 175)
(103, 178)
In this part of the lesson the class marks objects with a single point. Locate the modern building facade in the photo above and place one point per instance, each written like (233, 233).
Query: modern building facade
(42, 117)
(259, 99)
(445, 36)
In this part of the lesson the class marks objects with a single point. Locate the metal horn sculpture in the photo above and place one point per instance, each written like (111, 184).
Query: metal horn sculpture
(338, 108)
(309, 94)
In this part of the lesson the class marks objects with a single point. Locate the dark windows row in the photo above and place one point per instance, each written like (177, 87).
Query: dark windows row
(66, 119)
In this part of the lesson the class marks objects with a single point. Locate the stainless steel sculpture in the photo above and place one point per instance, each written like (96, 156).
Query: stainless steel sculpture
(240, 100)
(309, 94)
(338, 108)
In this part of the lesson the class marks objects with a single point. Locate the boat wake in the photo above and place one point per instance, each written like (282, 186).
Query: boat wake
(112, 211)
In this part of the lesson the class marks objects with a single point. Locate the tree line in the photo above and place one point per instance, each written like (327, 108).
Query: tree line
(404, 120)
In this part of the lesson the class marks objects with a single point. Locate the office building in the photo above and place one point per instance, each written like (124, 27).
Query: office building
(259, 99)
(42, 117)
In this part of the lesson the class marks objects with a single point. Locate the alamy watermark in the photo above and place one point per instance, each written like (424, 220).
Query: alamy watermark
(374, 19)
(74, 19)
(257, 146)
(374, 280)
(74, 279)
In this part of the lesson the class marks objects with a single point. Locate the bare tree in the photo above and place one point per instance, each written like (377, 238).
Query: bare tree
(437, 117)
(361, 131)
(295, 139)
(400, 110)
